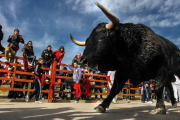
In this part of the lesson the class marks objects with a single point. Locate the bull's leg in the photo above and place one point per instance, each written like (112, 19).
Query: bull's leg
(160, 82)
(117, 86)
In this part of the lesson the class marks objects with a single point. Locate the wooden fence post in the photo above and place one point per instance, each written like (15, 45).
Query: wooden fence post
(52, 82)
(14, 75)
(129, 92)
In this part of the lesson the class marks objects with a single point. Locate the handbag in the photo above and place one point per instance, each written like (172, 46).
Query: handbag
(14, 46)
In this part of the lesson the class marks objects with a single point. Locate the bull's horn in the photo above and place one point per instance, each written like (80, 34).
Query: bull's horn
(114, 20)
(77, 42)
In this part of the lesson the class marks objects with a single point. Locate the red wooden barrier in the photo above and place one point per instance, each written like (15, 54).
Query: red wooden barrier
(52, 80)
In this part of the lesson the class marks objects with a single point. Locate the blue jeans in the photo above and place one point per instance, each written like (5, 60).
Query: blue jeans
(31, 59)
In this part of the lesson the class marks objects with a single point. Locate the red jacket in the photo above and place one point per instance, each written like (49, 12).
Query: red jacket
(58, 55)
(78, 89)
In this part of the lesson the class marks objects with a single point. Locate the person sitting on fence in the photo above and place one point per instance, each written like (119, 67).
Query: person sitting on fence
(13, 46)
(37, 81)
(28, 49)
(58, 56)
(76, 78)
(1, 38)
(48, 56)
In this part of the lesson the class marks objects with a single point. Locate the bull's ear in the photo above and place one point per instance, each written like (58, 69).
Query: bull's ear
(77, 42)
(114, 20)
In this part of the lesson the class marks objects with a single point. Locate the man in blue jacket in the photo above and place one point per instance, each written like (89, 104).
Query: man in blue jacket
(76, 78)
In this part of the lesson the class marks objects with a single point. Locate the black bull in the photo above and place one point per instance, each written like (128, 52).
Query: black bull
(136, 53)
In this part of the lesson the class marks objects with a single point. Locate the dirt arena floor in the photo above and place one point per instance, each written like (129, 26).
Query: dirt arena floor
(135, 110)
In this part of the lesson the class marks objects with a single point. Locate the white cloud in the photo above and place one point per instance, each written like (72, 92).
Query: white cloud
(44, 41)
(73, 23)
(136, 10)
(176, 41)
(70, 51)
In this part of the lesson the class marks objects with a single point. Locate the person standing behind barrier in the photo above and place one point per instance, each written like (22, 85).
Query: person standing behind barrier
(76, 78)
(110, 77)
(176, 88)
(62, 87)
(28, 48)
(146, 92)
(13, 46)
(77, 59)
(37, 81)
(48, 57)
(1, 38)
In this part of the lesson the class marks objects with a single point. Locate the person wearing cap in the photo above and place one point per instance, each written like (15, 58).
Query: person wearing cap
(1, 38)
(13, 46)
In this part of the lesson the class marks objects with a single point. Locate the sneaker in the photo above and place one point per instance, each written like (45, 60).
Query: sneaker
(39, 102)
(27, 98)
(47, 80)
(65, 90)
(149, 102)
(6, 61)
(30, 64)
(76, 101)
(115, 102)
(9, 68)
(43, 98)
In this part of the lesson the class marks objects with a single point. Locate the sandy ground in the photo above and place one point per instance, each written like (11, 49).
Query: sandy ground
(135, 110)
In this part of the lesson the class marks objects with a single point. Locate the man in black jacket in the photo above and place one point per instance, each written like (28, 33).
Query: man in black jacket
(37, 81)
(28, 48)
(48, 57)
(1, 37)
(13, 46)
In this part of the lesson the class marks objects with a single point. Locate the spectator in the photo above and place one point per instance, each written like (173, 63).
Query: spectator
(62, 87)
(77, 59)
(47, 56)
(1, 38)
(126, 91)
(28, 48)
(10, 93)
(13, 46)
(37, 81)
(146, 92)
(110, 77)
(76, 78)
(98, 89)
(58, 55)
(176, 88)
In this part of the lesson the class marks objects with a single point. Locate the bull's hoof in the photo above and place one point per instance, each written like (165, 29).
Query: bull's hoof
(175, 105)
(100, 109)
(160, 111)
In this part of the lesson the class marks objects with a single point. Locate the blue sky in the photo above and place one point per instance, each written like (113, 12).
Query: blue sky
(49, 22)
